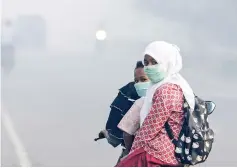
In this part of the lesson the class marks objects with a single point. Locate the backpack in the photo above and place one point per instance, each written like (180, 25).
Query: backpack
(195, 140)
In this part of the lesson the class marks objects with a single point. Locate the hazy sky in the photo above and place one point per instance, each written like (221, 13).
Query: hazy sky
(59, 97)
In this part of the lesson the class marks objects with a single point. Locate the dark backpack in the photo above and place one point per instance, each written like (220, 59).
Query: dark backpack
(196, 137)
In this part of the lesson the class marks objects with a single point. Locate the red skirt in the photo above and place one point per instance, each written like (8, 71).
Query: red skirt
(140, 158)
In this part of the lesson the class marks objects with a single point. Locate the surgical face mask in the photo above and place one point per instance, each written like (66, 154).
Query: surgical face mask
(141, 88)
(155, 73)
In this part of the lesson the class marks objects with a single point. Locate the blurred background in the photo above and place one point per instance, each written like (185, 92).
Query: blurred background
(63, 61)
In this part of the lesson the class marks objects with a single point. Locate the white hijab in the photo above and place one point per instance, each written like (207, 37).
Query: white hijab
(168, 55)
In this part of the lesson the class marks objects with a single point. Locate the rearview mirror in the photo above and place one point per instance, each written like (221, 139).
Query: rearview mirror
(210, 106)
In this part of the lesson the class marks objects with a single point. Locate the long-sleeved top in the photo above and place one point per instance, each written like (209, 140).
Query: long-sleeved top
(167, 106)
(122, 103)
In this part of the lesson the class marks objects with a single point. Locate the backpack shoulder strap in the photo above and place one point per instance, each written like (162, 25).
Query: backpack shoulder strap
(170, 133)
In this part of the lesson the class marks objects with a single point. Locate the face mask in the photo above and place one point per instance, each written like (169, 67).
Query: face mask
(141, 88)
(155, 73)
